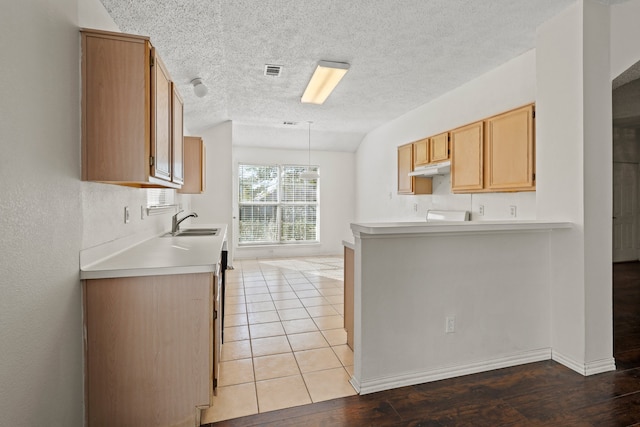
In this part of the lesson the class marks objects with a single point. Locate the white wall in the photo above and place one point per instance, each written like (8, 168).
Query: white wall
(214, 205)
(625, 33)
(337, 205)
(575, 170)
(40, 215)
(509, 86)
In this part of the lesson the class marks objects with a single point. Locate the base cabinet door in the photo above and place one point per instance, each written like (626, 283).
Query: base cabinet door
(148, 346)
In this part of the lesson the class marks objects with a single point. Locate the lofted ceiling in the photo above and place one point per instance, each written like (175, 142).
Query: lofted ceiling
(402, 55)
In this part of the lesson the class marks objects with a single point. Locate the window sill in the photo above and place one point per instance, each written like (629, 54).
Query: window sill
(275, 245)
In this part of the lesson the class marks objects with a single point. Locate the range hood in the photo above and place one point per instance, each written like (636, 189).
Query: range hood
(441, 168)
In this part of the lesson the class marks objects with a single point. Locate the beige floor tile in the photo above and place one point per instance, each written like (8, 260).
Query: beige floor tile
(281, 393)
(329, 384)
(254, 282)
(335, 299)
(339, 308)
(235, 319)
(258, 298)
(288, 303)
(234, 292)
(344, 353)
(322, 310)
(299, 325)
(236, 350)
(317, 360)
(330, 291)
(312, 302)
(236, 333)
(329, 322)
(275, 366)
(263, 330)
(236, 372)
(307, 341)
(335, 336)
(308, 294)
(301, 280)
(255, 307)
(293, 313)
(270, 345)
(234, 300)
(235, 308)
(349, 370)
(232, 402)
(256, 290)
(301, 287)
(279, 296)
(263, 317)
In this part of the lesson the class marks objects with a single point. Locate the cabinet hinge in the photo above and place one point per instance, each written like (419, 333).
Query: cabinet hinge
(152, 60)
(533, 114)
(151, 161)
(215, 383)
(215, 314)
(534, 176)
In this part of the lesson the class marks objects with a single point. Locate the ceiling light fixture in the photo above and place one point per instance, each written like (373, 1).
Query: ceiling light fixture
(199, 88)
(309, 174)
(324, 80)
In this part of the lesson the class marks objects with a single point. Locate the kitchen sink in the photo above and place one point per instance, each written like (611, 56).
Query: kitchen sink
(187, 232)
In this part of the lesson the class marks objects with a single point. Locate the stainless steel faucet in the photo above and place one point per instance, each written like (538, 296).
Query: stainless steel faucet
(175, 222)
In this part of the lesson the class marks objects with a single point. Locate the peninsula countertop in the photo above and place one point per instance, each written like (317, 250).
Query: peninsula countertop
(465, 227)
(162, 256)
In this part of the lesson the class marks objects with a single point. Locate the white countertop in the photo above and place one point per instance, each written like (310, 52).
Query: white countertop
(464, 227)
(161, 256)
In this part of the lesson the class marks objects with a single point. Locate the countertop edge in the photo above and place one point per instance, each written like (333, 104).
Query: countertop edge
(424, 228)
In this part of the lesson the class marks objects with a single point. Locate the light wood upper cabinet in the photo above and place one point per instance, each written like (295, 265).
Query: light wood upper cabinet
(497, 154)
(510, 155)
(177, 139)
(421, 152)
(408, 184)
(439, 147)
(126, 112)
(467, 148)
(194, 165)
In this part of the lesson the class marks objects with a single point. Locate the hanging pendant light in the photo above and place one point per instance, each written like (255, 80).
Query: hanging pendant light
(309, 174)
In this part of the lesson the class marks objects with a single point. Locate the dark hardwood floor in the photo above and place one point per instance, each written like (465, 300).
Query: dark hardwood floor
(537, 394)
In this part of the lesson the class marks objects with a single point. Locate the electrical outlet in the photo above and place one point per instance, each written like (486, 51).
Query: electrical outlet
(512, 211)
(450, 326)
(481, 210)
(415, 207)
(126, 214)
(142, 212)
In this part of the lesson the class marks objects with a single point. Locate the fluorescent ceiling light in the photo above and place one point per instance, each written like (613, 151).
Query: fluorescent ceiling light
(323, 81)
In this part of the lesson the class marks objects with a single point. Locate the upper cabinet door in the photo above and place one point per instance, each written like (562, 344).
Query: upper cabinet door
(405, 165)
(421, 152)
(510, 153)
(467, 158)
(115, 101)
(178, 137)
(439, 147)
(161, 97)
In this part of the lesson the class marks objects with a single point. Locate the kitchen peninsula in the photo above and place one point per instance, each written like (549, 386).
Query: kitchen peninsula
(439, 300)
(152, 329)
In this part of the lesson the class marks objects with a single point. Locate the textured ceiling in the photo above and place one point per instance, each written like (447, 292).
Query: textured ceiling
(402, 55)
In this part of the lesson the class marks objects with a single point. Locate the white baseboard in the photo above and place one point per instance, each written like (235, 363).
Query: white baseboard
(388, 383)
(585, 368)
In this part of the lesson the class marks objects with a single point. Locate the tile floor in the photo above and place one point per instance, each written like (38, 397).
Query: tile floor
(284, 339)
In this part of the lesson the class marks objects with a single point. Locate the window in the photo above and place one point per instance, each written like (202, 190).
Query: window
(276, 205)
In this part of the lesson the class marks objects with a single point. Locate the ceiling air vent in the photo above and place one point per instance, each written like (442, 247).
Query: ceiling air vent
(272, 70)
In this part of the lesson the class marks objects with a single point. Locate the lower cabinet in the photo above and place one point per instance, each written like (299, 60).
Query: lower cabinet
(150, 349)
(348, 293)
